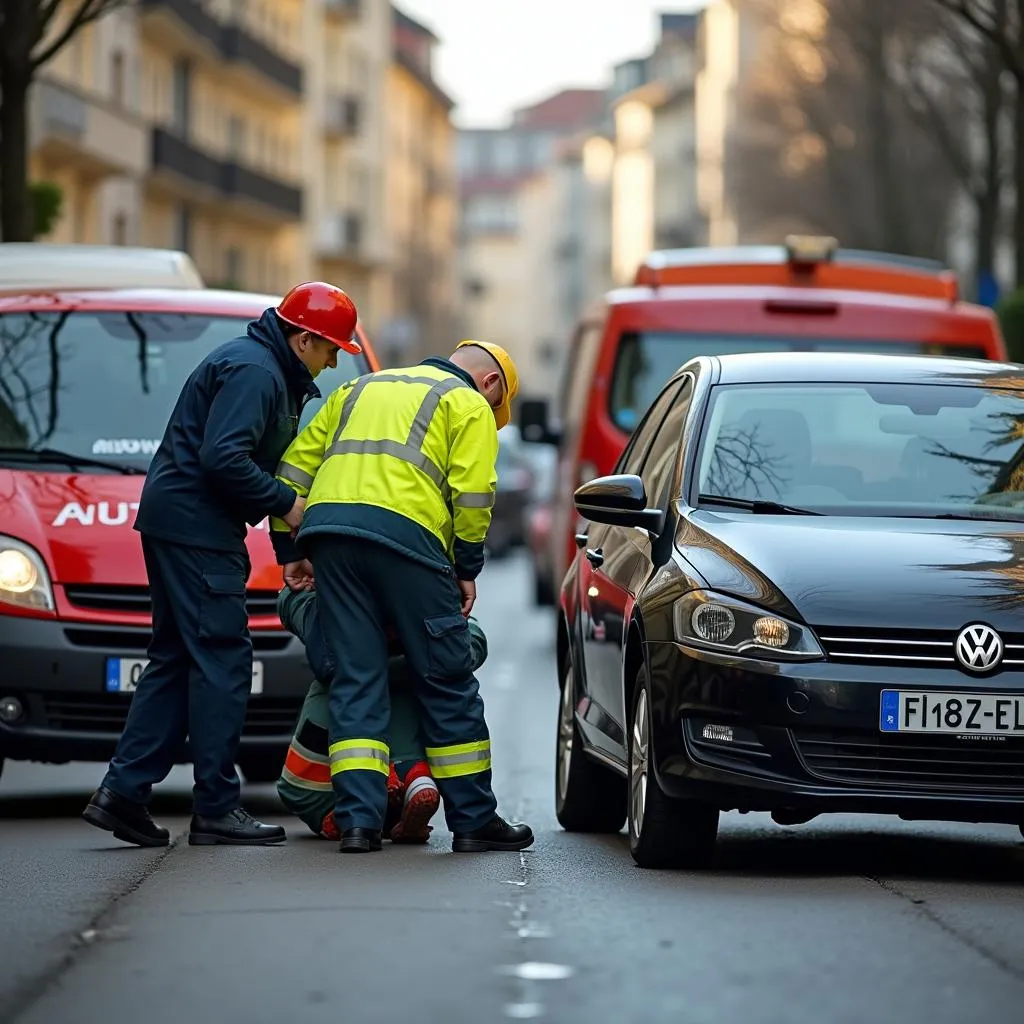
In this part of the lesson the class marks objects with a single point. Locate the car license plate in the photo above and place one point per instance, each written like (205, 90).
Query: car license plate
(983, 714)
(123, 674)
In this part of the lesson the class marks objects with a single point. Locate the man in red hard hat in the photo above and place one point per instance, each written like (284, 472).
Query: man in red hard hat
(212, 474)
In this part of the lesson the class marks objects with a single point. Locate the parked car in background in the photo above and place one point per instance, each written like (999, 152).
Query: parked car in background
(537, 528)
(806, 296)
(515, 482)
(88, 379)
(799, 592)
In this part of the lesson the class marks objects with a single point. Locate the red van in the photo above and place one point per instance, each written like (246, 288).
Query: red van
(87, 382)
(807, 295)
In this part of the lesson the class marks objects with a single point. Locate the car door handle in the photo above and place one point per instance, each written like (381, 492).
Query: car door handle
(596, 558)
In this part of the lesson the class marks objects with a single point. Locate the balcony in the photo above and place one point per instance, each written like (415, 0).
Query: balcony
(238, 46)
(187, 23)
(343, 10)
(85, 132)
(206, 177)
(341, 236)
(342, 115)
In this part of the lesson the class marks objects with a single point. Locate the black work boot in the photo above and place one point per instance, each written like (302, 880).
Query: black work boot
(236, 828)
(360, 840)
(130, 822)
(497, 834)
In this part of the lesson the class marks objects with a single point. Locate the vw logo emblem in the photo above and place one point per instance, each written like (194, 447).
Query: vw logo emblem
(979, 648)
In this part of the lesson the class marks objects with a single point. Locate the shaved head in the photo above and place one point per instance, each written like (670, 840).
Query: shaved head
(484, 369)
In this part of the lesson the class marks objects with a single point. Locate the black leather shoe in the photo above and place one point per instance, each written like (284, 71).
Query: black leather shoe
(130, 822)
(236, 828)
(360, 840)
(497, 834)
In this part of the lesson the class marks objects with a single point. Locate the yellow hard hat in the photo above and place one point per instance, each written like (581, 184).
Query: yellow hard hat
(508, 371)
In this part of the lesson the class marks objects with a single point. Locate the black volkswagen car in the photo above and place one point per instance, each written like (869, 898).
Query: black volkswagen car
(801, 592)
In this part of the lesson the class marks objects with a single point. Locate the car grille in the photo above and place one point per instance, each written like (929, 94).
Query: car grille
(136, 601)
(107, 713)
(866, 758)
(137, 640)
(923, 648)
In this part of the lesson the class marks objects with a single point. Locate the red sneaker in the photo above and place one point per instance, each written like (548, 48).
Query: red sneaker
(421, 803)
(329, 827)
(396, 794)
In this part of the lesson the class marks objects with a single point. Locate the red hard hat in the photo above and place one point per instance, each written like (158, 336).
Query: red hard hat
(324, 310)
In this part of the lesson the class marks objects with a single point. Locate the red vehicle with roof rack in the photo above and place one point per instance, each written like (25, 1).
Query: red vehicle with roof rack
(87, 381)
(807, 295)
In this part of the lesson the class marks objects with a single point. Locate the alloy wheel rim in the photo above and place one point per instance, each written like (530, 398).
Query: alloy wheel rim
(638, 767)
(565, 730)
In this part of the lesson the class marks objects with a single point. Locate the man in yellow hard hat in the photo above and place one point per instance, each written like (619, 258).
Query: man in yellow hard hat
(398, 469)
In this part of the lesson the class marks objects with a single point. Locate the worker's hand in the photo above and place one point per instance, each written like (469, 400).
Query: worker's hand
(468, 588)
(294, 517)
(299, 575)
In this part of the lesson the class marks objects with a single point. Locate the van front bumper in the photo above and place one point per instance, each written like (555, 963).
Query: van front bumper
(57, 672)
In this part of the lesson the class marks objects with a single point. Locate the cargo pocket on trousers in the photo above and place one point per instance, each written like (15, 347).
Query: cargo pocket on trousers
(449, 652)
(222, 613)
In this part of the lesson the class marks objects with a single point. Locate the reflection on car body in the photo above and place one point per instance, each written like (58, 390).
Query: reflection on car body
(800, 592)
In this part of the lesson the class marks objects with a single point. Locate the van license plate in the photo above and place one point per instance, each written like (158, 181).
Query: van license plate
(984, 714)
(123, 674)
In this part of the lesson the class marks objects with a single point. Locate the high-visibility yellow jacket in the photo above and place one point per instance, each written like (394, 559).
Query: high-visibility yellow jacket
(406, 457)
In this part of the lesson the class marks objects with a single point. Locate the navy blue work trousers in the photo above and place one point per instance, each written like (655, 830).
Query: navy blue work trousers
(197, 683)
(363, 588)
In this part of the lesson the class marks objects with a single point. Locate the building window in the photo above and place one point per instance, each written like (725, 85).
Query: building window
(235, 267)
(120, 230)
(181, 115)
(183, 234)
(117, 89)
(236, 138)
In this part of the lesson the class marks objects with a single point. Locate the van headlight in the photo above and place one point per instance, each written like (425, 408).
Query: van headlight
(24, 580)
(716, 622)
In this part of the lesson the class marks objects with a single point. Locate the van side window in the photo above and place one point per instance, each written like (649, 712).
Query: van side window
(632, 459)
(577, 381)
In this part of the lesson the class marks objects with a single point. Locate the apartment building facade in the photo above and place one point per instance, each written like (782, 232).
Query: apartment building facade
(252, 135)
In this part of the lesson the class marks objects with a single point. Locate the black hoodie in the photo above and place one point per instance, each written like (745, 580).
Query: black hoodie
(235, 417)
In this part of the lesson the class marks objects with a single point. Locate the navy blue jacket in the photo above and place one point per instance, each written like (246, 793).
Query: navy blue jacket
(235, 417)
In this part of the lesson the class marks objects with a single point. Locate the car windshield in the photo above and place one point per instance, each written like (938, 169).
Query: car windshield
(645, 362)
(869, 449)
(102, 385)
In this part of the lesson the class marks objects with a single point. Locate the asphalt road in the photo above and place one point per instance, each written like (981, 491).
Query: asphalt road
(842, 921)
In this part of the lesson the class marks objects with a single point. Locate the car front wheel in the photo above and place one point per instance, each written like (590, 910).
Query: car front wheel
(588, 797)
(663, 833)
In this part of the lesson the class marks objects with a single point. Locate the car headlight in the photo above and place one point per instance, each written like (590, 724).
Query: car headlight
(24, 580)
(720, 623)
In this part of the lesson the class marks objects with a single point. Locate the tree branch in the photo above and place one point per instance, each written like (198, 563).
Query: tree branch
(87, 11)
(991, 31)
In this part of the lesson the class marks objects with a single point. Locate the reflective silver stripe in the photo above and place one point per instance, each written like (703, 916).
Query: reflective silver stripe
(287, 471)
(446, 760)
(396, 448)
(475, 499)
(425, 413)
(349, 753)
(411, 450)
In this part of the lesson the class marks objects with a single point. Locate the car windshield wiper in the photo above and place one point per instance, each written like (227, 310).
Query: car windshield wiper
(768, 508)
(40, 455)
(990, 517)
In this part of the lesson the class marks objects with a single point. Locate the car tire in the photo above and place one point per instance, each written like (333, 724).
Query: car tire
(663, 832)
(588, 796)
(261, 767)
(543, 592)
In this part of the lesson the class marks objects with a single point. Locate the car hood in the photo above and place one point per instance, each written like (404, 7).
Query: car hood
(863, 572)
(81, 523)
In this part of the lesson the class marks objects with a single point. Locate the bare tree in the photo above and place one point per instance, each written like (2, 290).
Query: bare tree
(828, 138)
(31, 33)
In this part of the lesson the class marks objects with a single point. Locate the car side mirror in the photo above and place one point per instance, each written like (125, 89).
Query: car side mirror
(534, 426)
(619, 500)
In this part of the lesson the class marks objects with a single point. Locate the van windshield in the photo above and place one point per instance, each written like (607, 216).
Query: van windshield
(645, 362)
(102, 385)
